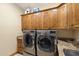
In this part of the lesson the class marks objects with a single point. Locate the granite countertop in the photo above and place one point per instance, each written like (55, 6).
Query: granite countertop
(65, 45)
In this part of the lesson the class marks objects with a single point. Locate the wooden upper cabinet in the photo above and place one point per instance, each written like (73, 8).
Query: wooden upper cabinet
(32, 21)
(29, 22)
(75, 7)
(38, 20)
(73, 14)
(46, 20)
(70, 15)
(26, 22)
(50, 19)
(53, 19)
(62, 17)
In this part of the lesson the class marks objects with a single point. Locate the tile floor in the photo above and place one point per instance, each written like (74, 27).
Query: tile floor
(18, 54)
(24, 54)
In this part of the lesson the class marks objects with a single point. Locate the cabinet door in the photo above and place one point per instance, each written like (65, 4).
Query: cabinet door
(33, 21)
(73, 15)
(26, 22)
(62, 17)
(52, 18)
(38, 20)
(75, 7)
(46, 20)
(70, 15)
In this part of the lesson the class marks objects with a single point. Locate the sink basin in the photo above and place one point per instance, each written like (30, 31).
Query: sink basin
(69, 52)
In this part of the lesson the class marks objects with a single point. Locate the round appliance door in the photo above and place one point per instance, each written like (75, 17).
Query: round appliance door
(45, 44)
(28, 40)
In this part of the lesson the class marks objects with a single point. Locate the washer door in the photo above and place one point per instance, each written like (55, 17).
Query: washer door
(45, 44)
(28, 40)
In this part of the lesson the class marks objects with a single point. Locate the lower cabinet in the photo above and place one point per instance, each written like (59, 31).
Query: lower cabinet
(19, 45)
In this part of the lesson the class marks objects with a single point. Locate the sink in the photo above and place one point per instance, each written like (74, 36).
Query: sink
(70, 52)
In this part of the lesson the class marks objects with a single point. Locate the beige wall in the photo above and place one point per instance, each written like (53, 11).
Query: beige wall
(9, 28)
(41, 6)
(69, 34)
(76, 34)
(65, 33)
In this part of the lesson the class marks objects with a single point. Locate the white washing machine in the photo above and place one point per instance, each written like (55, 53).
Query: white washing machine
(28, 42)
(46, 42)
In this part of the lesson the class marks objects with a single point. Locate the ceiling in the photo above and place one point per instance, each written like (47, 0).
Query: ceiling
(41, 6)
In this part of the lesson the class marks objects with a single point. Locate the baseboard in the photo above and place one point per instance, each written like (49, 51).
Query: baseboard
(13, 53)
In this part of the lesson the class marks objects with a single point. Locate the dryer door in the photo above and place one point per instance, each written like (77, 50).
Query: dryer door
(28, 40)
(45, 44)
